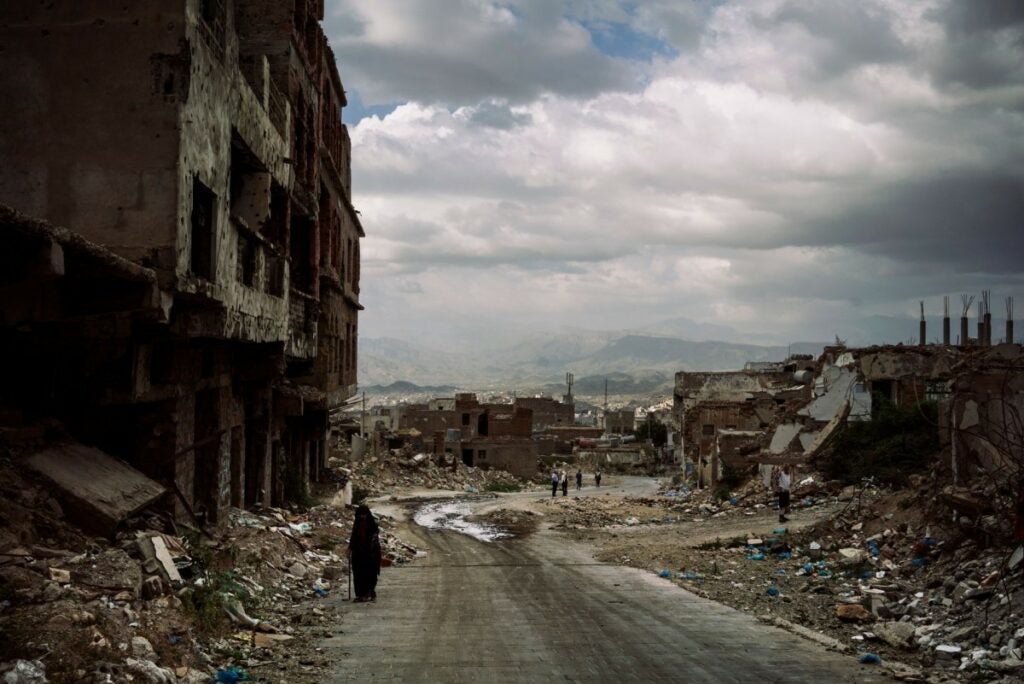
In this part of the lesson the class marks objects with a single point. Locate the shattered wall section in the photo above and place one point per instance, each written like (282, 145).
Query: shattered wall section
(984, 418)
(230, 156)
(547, 412)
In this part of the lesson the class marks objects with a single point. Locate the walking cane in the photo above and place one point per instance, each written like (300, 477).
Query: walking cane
(350, 578)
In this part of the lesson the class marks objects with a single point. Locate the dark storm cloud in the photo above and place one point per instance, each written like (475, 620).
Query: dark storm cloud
(971, 16)
(840, 35)
(985, 43)
(965, 222)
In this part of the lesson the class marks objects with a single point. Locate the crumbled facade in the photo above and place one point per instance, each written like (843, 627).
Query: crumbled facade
(722, 415)
(200, 143)
(483, 435)
(619, 421)
(548, 412)
(849, 385)
(982, 419)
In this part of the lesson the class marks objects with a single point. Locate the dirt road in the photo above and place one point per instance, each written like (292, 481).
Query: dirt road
(541, 609)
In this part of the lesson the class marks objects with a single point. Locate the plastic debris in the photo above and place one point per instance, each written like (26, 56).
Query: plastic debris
(869, 659)
(230, 675)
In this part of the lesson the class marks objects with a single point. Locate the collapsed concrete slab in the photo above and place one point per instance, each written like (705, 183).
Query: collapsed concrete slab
(97, 486)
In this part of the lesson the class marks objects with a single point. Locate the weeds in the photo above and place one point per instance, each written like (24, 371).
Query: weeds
(502, 487)
(895, 444)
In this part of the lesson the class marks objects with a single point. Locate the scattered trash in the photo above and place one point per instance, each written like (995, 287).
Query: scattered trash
(869, 659)
(230, 675)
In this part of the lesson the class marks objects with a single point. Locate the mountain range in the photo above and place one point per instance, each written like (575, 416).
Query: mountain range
(631, 361)
(635, 361)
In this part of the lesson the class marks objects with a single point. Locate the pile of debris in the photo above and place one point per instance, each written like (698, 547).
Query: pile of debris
(402, 469)
(571, 512)
(879, 575)
(158, 601)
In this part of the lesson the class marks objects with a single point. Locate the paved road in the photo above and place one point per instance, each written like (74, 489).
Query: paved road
(540, 609)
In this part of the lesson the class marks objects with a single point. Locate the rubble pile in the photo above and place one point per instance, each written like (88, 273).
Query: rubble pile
(678, 503)
(402, 469)
(590, 512)
(878, 574)
(165, 603)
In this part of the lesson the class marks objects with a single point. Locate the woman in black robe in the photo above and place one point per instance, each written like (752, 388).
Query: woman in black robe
(364, 554)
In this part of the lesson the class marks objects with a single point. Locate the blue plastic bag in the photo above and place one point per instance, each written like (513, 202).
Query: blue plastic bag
(231, 675)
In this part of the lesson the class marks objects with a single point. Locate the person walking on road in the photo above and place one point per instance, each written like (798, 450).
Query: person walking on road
(554, 483)
(579, 480)
(364, 554)
(597, 478)
(565, 483)
(784, 485)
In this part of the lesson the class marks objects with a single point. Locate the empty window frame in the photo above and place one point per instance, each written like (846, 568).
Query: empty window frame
(203, 230)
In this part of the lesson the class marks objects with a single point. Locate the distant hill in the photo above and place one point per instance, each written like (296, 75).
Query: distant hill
(633, 363)
(402, 387)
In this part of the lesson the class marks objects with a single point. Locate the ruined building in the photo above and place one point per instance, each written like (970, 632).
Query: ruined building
(182, 269)
(480, 434)
(722, 416)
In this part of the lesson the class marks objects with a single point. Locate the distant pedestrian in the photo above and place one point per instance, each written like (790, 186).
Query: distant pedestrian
(364, 554)
(597, 478)
(579, 480)
(784, 485)
(565, 483)
(554, 483)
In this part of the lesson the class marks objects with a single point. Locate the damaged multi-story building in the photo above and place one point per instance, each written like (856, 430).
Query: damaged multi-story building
(183, 252)
(722, 416)
(479, 434)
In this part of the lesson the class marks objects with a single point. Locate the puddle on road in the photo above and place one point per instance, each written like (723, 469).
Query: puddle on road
(451, 515)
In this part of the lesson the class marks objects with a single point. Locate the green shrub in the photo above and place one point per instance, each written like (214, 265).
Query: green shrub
(206, 602)
(896, 443)
(502, 487)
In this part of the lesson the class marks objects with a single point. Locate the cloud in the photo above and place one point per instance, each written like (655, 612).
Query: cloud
(780, 163)
(466, 51)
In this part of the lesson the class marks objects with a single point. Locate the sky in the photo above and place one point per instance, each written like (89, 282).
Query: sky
(770, 165)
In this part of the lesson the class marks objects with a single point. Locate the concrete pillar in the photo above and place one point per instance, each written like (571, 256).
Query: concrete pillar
(1009, 331)
(945, 331)
(923, 333)
(965, 338)
(988, 329)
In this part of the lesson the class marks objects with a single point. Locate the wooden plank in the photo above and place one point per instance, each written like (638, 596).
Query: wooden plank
(165, 559)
